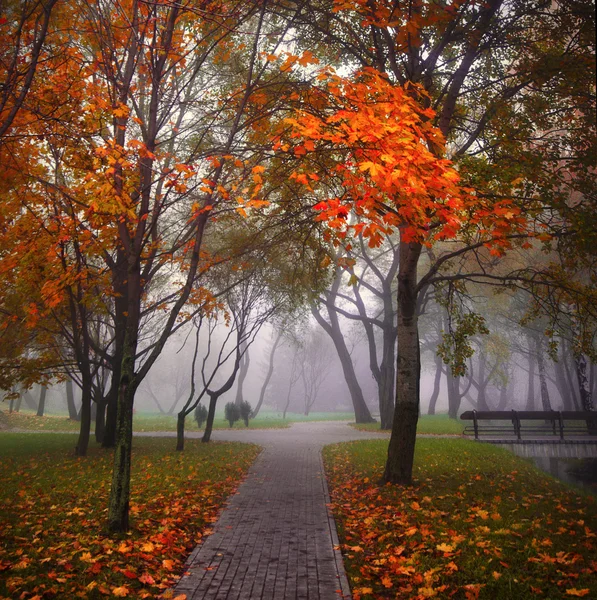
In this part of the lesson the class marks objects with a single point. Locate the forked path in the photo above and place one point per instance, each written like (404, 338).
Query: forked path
(275, 539)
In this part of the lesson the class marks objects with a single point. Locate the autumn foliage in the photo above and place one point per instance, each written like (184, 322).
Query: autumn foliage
(478, 523)
(371, 146)
(53, 523)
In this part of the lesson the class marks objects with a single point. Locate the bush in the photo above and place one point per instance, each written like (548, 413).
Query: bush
(200, 415)
(231, 413)
(245, 412)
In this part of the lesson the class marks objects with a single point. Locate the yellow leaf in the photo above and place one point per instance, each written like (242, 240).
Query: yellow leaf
(168, 564)
(123, 548)
(445, 548)
(386, 582)
(121, 591)
(147, 547)
(372, 167)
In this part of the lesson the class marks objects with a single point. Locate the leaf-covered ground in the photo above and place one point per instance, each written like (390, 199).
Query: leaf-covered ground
(53, 510)
(478, 523)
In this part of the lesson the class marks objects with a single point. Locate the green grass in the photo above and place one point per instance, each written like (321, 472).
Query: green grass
(478, 522)
(54, 508)
(428, 424)
(147, 422)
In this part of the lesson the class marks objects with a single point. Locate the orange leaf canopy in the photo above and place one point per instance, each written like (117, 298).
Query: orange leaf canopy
(387, 157)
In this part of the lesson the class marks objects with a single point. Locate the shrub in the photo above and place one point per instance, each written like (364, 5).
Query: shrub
(200, 415)
(245, 412)
(231, 413)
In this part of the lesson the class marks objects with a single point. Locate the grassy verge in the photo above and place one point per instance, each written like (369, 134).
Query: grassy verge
(428, 424)
(478, 523)
(54, 508)
(147, 422)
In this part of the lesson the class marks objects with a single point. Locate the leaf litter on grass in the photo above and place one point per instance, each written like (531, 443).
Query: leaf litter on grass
(478, 523)
(55, 506)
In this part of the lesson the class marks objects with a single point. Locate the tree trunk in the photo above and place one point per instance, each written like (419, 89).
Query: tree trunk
(100, 420)
(17, 404)
(270, 372)
(41, 407)
(85, 425)
(180, 431)
(386, 385)
(118, 510)
(572, 384)
(481, 392)
(109, 439)
(73, 415)
(503, 402)
(242, 373)
(436, 385)
(454, 396)
(211, 413)
(545, 403)
(361, 410)
(586, 400)
(387, 367)
(531, 385)
(287, 399)
(401, 449)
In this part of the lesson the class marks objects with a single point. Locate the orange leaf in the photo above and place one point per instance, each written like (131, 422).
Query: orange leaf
(578, 593)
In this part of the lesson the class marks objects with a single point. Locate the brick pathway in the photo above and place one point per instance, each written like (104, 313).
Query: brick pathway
(275, 539)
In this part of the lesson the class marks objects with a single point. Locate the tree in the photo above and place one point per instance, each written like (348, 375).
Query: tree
(231, 413)
(245, 411)
(200, 415)
(447, 50)
(332, 327)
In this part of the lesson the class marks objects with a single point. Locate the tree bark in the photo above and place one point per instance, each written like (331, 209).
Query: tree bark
(531, 385)
(503, 402)
(436, 385)
(242, 373)
(211, 413)
(481, 392)
(100, 420)
(41, 407)
(586, 399)
(109, 438)
(454, 395)
(85, 425)
(180, 431)
(73, 414)
(401, 450)
(545, 403)
(118, 509)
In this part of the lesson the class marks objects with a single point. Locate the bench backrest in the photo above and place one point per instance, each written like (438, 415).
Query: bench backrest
(528, 415)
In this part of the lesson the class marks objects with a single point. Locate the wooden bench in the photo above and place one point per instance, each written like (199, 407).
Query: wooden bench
(536, 423)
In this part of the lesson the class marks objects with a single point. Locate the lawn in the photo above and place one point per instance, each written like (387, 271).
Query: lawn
(146, 422)
(478, 523)
(54, 509)
(428, 424)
